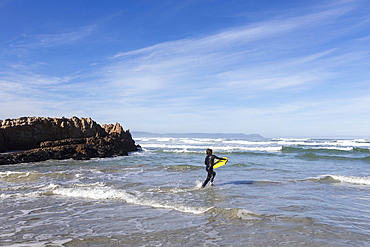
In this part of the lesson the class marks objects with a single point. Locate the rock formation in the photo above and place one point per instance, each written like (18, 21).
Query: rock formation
(61, 138)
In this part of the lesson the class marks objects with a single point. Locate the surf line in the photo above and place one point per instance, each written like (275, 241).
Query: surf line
(108, 193)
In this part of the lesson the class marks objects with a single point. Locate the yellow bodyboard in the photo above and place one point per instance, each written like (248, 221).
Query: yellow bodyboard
(219, 163)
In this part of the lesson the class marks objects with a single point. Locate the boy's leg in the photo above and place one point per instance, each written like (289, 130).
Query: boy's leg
(209, 176)
(213, 176)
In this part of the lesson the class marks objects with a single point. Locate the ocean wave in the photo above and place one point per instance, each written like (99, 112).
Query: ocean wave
(180, 168)
(107, 193)
(189, 145)
(248, 182)
(235, 213)
(272, 145)
(344, 179)
(176, 190)
(240, 165)
(362, 150)
(178, 140)
(223, 149)
(245, 142)
(65, 175)
(263, 149)
(185, 150)
(5, 196)
(11, 176)
(333, 148)
(188, 149)
(325, 142)
(321, 149)
(21, 195)
(40, 243)
(317, 156)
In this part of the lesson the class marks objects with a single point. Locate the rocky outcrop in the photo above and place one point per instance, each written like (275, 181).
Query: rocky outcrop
(61, 138)
(28, 132)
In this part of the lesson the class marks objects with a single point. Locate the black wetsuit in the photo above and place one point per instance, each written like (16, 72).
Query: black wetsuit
(209, 162)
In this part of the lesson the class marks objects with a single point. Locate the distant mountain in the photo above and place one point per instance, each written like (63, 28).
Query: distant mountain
(250, 137)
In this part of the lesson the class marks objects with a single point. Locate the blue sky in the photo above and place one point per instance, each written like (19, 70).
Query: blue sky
(276, 68)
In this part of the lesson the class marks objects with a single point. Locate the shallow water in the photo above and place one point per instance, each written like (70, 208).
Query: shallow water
(282, 192)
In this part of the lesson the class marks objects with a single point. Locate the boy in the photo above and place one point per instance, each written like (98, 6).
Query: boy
(209, 162)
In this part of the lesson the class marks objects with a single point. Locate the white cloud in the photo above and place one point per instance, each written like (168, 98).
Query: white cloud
(34, 41)
(233, 60)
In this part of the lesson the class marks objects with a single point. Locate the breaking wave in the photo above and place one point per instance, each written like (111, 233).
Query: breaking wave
(344, 179)
(11, 176)
(107, 193)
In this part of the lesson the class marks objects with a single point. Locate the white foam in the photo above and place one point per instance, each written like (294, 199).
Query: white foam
(11, 176)
(246, 214)
(243, 142)
(106, 193)
(42, 243)
(51, 186)
(98, 184)
(266, 149)
(20, 195)
(8, 174)
(172, 146)
(353, 143)
(352, 179)
(292, 139)
(181, 151)
(164, 139)
(336, 148)
(325, 143)
(349, 179)
(198, 149)
(195, 141)
(4, 196)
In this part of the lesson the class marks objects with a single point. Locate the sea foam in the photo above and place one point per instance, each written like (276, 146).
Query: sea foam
(107, 193)
(347, 179)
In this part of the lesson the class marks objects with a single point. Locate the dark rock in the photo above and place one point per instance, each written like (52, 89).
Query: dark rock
(75, 138)
(28, 132)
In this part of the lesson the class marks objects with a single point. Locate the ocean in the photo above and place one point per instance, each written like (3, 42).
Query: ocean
(273, 192)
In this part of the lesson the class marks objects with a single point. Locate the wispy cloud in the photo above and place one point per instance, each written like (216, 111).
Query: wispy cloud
(51, 40)
(259, 62)
(242, 35)
(248, 57)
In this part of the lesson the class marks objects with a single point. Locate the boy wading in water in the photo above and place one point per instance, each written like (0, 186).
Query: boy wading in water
(209, 162)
